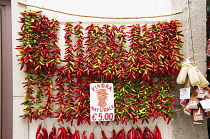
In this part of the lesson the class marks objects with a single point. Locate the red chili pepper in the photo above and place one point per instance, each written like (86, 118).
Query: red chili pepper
(139, 133)
(120, 86)
(121, 134)
(38, 129)
(83, 135)
(69, 132)
(45, 133)
(39, 136)
(169, 119)
(114, 134)
(64, 133)
(77, 134)
(103, 135)
(159, 133)
(51, 135)
(58, 135)
(155, 133)
(130, 135)
(91, 135)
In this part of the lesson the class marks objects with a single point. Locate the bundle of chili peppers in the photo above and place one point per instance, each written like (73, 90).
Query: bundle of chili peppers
(142, 72)
(73, 96)
(64, 100)
(135, 133)
(39, 57)
(66, 133)
(60, 133)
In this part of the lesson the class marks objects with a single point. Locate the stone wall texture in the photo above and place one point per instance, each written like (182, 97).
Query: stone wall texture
(194, 29)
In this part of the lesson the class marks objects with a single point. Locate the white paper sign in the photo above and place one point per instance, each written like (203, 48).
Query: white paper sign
(102, 102)
(207, 110)
(205, 104)
(185, 93)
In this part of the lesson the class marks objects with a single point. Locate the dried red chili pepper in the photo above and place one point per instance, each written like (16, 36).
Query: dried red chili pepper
(157, 133)
(64, 133)
(91, 135)
(51, 135)
(69, 132)
(131, 134)
(76, 135)
(58, 135)
(38, 129)
(103, 134)
(83, 135)
(121, 134)
(39, 136)
(139, 133)
(147, 134)
(45, 133)
(114, 134)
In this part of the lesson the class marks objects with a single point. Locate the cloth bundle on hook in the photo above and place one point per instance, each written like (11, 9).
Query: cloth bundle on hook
(196, 78)
(193, 76)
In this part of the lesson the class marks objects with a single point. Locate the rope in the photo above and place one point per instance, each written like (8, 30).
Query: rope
(191, 32)
(89, 16)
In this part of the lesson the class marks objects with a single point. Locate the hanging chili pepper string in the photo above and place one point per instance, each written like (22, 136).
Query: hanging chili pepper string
(53, 59)
(71, 74)
(79, 62)
(25, 59)
(81, 103)
(41, 59)
(107, 51)
(94, 51)
(121, 67)
(65, 80)
(109, 54)
(135, 65)
(120, 79)
(120, 52)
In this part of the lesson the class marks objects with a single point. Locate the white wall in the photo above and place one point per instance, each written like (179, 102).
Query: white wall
(114, 8)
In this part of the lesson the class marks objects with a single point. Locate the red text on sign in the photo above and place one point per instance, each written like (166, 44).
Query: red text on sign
(106, 109)
(102, 85)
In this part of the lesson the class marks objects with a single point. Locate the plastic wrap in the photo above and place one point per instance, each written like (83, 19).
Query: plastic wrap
(193, 102)
(193, 76)
(182, 75)
(198, 114)
(207, 114)
(199, 92)
(187, 83)
(207, 94)
(184, 102)
(203, 80)
(187, 110)
(197, 122)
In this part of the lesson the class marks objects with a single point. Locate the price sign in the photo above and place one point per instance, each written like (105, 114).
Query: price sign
(101, 102)
(185, 93)
(102, 116)
(205, 104)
